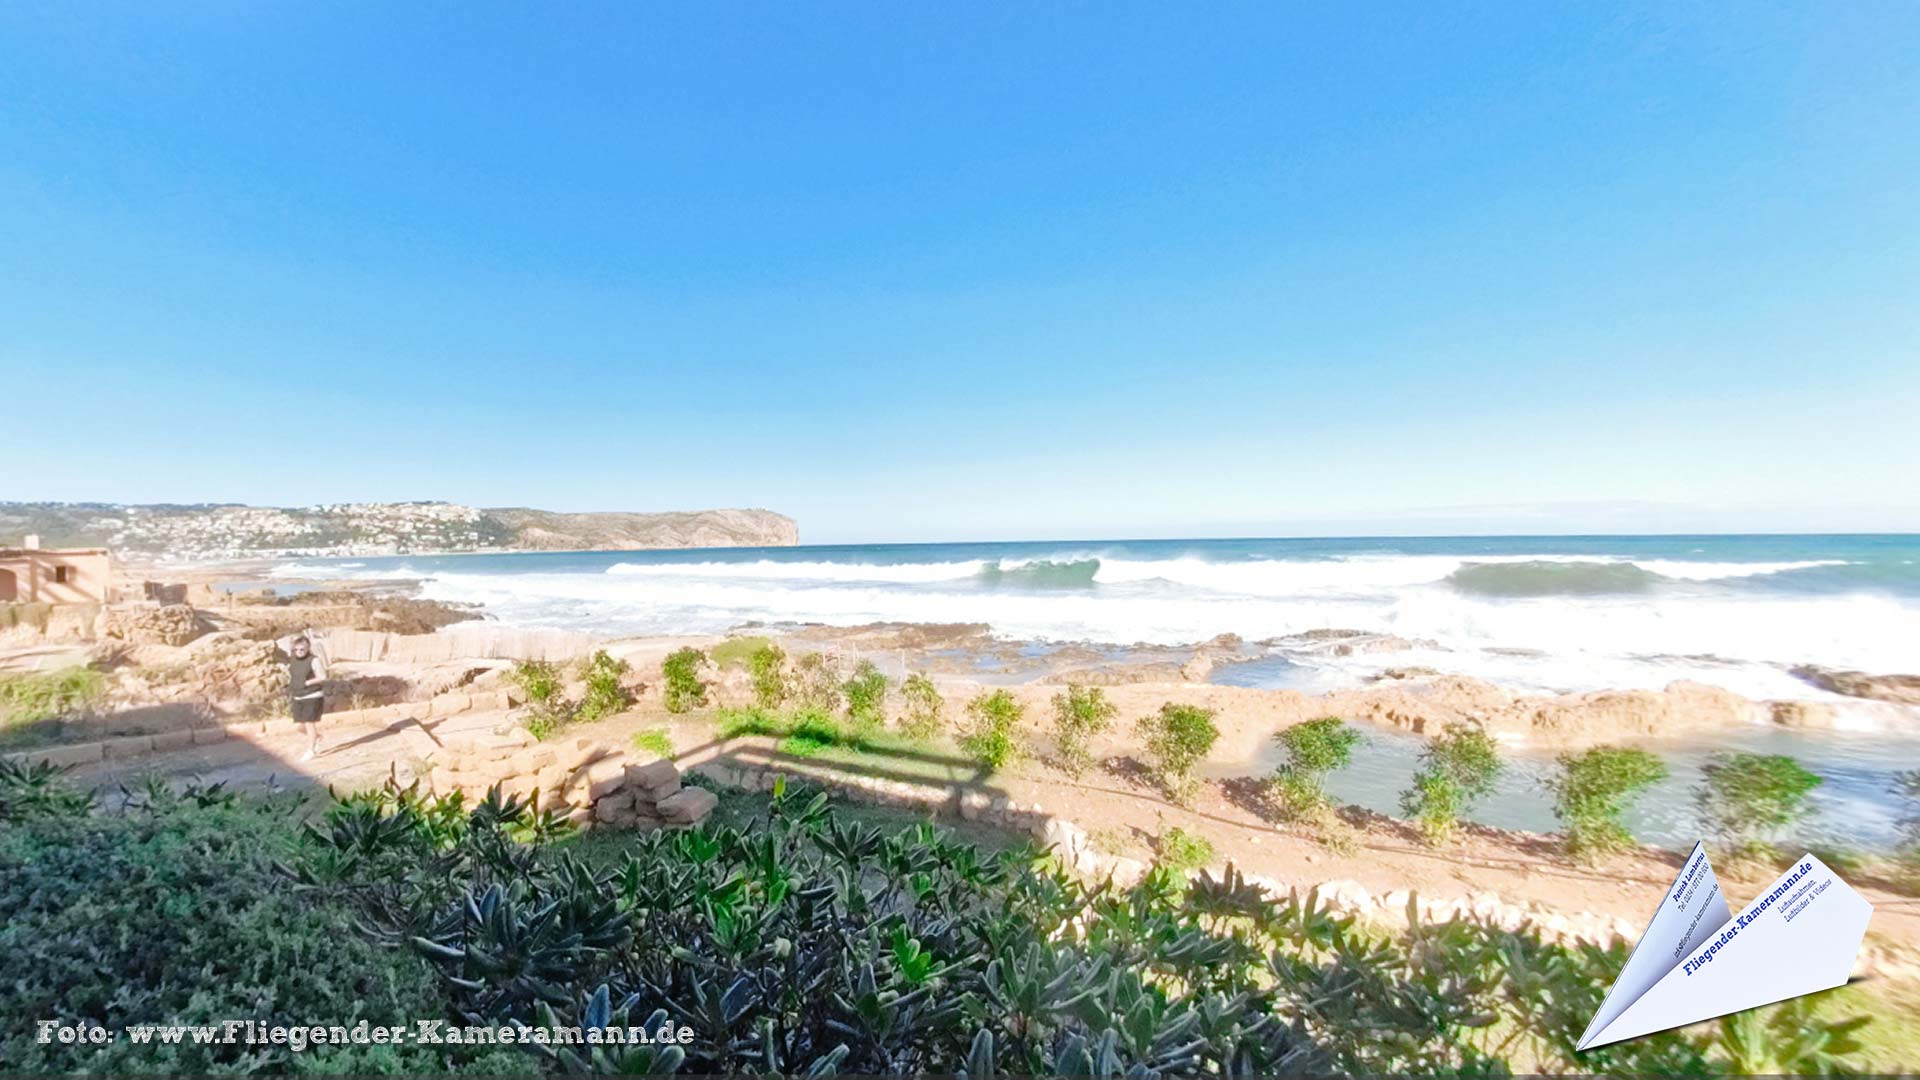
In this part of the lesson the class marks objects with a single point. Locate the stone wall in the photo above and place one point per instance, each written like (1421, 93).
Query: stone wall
(462, 641)
(590, 783)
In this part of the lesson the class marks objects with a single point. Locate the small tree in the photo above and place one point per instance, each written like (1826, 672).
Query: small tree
(1313, 750)
(1079, 714)
(816, 683)
(1749, 798)
(1457, 769)
(539, 680)
(680, 672)
(767, 665)
(991, 721)
(547, 709)
(1593, 791)
(1178, 738)
(866, 694)
(925, 708)
(606, 691)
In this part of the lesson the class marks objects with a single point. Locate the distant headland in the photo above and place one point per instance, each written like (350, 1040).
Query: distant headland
(232, 531)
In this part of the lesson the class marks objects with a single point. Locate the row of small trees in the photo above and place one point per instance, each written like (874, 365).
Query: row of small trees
(1745, 798)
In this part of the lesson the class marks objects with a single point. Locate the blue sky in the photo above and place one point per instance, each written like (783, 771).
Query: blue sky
(917, 272)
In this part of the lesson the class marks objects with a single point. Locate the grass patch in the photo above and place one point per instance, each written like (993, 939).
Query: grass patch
(736, 652)
(29, 697)
(654, 741)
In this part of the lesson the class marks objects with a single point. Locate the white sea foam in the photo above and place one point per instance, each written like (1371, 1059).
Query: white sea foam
(1734, 636)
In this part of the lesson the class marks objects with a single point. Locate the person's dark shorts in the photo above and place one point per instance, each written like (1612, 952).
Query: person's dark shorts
(307, 710)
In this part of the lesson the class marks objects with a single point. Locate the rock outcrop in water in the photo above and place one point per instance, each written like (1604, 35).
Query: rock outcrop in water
(1898, 689)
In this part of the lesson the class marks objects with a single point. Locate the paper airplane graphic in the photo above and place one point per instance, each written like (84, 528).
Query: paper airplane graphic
(1698, 960)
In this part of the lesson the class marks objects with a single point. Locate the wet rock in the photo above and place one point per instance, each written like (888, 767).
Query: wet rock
(1898, 689)
(1802, 714)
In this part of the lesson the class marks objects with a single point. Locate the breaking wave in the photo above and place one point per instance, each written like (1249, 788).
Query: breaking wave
(1540, 578)
(1041, 574)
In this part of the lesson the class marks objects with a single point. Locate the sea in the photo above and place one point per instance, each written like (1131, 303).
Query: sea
(1546, 614)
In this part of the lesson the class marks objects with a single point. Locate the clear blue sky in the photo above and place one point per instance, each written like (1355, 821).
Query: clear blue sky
(916, 271)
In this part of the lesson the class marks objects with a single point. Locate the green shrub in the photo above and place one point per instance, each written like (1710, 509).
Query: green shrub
(174, 913)
(654, 741)
(605, 690)
(1079, 714)
(33, 790)
(1593, 791)
(31, 697)
(866, 694)
(992, 719)
(1457, 769)
(827, 946)
(1183, 851)
(539, 680)
(816, 683)
(767, 664)
(732, 723)
(1748, 799)
(680, 675)
(1312, 750)
(547, 710)
(1178, 738)
(924, 714)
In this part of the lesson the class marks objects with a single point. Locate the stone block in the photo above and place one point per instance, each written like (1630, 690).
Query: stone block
(532, 759)
(658, 779)
(577, 753)
(581, 816)
(172, 740)
(612, 808)
(519, 787)
(491, 701)
(605, 776)
(687, 806)
(206, 735)
(450, 704)
(127, 746)
(62, 756)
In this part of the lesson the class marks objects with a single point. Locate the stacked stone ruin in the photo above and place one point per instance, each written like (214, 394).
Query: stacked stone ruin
(589, 783)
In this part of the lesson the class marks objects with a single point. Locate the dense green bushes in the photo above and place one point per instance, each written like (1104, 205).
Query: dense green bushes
(799, 941)
(924, 711)
(992, 719)
(865, 692)
(174, 912)
(683, 688)
(1592, 792)
(1748, 799)
(1178, 738)
(767, 666)
(1079, 714)
(795, 942)
(603, 692)
(1457, 769)
(1313, 749)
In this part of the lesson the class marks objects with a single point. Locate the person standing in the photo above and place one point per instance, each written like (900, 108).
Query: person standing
(306, 672)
